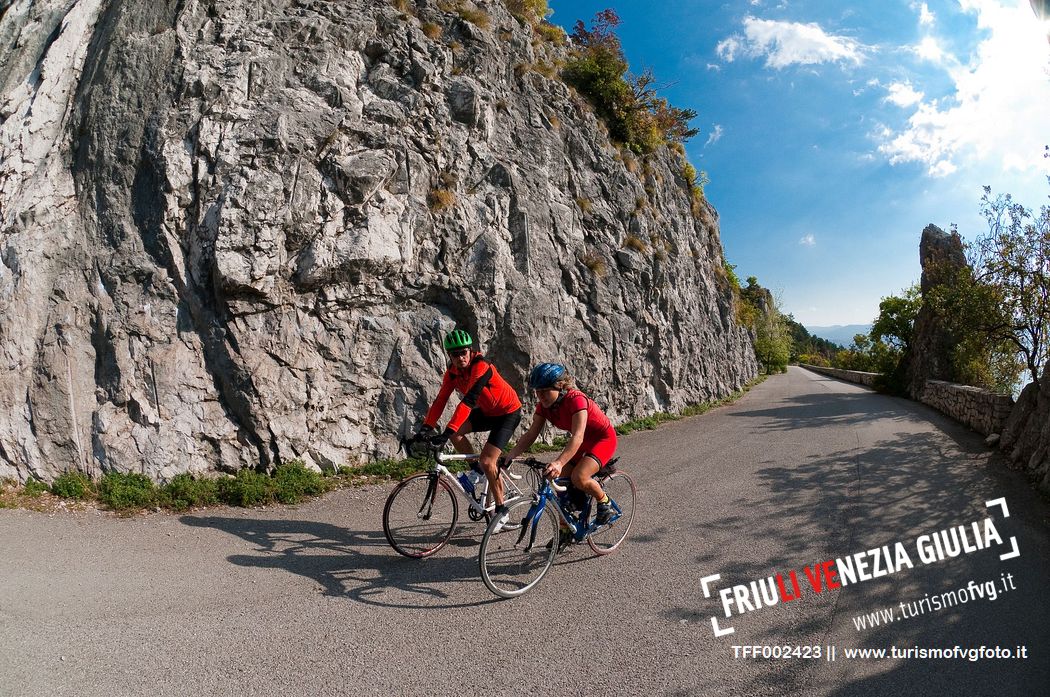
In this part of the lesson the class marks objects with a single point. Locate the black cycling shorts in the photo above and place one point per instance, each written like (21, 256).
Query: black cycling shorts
(500, 428)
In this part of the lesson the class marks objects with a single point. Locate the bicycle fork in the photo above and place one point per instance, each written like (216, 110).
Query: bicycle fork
(427, 509)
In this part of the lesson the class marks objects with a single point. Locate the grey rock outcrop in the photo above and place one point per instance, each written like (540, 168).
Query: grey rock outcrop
(234, 232)
(929, 353)
(1026, 437)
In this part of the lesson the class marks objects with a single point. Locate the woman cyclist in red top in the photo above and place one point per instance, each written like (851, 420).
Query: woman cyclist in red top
(488, 404)
(592, 439)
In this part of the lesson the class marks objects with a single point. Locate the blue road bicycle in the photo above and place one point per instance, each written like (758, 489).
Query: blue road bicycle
(515, 559)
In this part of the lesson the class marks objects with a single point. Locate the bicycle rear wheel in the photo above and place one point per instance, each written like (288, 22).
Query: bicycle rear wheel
(620, 488)
(515, 559)
(420, 515)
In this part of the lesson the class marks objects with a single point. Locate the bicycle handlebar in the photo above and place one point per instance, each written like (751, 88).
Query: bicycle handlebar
(533, 463)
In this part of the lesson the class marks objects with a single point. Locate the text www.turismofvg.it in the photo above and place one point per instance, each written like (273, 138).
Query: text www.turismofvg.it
(985, 590)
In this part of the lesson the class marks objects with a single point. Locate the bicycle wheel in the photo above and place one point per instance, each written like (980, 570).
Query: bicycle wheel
(620, 488)
(516, 558)
(420, 515)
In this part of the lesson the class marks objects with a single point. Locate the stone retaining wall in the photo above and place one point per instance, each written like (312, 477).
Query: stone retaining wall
(981, 410)
(856, 376)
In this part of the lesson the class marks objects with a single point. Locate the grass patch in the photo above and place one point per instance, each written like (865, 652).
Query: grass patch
(127, 491)
(247, 489)
(34, 487)
(185, 492)
(293, 482)
(73, 485)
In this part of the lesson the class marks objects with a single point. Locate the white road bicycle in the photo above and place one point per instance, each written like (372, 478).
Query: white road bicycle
(421, 512)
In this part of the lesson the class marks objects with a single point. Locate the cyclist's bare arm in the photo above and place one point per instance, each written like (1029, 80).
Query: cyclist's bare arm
(579, 425)
(528, 438)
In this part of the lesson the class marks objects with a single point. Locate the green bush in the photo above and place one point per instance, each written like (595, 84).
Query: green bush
(184, 491)
(293, 482)
(72, 485)
(247, 489)
(629, 106)
(395, 469)
(34, 487)
(125, 491)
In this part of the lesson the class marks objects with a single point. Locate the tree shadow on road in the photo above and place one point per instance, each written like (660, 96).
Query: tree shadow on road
(911, 481)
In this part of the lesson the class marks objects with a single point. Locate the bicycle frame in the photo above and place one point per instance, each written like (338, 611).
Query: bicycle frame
(477, 505)
(548, 493)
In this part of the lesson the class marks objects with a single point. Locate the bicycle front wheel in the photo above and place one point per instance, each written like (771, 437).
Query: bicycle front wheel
(620, 488)
(420, 515)
(516, 558)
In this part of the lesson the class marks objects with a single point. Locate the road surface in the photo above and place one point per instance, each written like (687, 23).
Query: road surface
(310, 600)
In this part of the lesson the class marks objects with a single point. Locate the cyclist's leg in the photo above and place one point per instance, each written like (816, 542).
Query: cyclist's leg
(581, 471)
(501, 428)
(459, 440)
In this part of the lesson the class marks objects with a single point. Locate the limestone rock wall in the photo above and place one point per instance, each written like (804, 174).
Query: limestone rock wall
(232, 233)
(929, 352)
(1026, 434)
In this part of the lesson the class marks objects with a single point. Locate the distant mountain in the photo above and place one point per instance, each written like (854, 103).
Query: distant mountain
(841, 334)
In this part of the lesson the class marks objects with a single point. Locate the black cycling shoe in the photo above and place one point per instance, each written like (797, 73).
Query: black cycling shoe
(604, 514)
(565, 539)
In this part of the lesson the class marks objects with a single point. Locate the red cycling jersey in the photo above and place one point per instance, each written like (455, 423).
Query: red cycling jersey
(599, 437)
(481, 387)
(560, 414)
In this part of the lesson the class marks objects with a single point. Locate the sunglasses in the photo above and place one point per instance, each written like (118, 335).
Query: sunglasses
(459, 352)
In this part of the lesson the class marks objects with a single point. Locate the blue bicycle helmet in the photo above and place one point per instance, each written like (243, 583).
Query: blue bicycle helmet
(545, 375)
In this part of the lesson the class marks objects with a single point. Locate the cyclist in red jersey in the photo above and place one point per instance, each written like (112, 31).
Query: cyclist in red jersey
(488, 404)
(592, 439)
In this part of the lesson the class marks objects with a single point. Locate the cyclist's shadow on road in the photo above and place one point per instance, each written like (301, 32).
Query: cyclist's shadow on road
(357, 564)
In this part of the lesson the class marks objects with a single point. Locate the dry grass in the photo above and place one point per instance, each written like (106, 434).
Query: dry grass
(595, 262)
(478, 18)
(585, 205)
(441, 200)
(431, 30)
(554, 121)
(551, 33)
(635, 242)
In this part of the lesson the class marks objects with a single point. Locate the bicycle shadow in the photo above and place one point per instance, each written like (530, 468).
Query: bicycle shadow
(354, 564)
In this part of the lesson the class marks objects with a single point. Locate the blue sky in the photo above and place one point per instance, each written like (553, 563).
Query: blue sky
(833, 132)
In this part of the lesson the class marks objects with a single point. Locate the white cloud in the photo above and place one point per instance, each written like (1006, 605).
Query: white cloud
(716, 135)
(903, 94)
(930, 49)
(727, 49)
(808, 240)
(926, 18)
(714, 66)
(790, 43)
(998, 113)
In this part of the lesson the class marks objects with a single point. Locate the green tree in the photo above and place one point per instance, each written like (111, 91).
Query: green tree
(895, 323)
(628, 105)
(1013, 261)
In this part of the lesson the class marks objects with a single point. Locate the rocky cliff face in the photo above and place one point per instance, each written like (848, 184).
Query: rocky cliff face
(941, 255)
(1026, 435)
(234, 232)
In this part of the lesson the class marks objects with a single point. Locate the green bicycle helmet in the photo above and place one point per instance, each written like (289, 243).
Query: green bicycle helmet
(458, 339)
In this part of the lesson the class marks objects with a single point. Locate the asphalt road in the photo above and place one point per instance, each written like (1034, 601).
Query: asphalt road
(310, 600)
